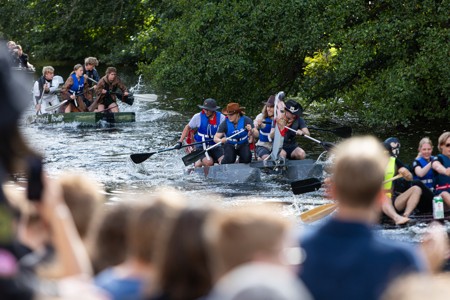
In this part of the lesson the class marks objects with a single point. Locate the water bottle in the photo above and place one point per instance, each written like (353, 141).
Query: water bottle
(438, 207)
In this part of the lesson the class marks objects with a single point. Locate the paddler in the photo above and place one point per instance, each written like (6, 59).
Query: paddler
(238, 145)
(206, 123)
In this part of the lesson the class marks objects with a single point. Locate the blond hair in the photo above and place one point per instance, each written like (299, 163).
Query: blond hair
(423, 141)
(83, 198)
(443, 139)
(47, 69)
(358, 171)
(239, 235)
(91, 61)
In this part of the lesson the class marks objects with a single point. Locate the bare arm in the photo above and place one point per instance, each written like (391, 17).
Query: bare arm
(68, 245)
(438, 167)
(185, 132)
(422, 171)
(405, 173)
(218, 137)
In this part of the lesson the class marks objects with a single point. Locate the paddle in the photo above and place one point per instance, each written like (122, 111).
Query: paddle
(194, 156)
(344, 131)
(141, 157)
(324, 210)
(53, 107)
(305, 186)
(326, 145)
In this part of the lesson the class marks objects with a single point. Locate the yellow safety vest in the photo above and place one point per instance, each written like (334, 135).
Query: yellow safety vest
(390, 172)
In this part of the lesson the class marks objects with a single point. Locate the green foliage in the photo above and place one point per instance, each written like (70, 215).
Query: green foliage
(391, 67)
(69, 31)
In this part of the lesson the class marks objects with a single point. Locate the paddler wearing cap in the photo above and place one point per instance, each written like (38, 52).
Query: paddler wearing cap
(293, 119)
(237, 145)
(206, 122)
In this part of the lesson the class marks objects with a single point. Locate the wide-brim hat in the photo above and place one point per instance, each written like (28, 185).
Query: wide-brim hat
(209, 104)
(294, 108)
(270, 101)
(233, 108)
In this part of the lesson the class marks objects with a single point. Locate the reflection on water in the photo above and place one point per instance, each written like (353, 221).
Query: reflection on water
(103, 151)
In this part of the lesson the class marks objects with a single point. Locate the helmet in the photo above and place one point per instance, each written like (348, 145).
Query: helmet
(392, 145)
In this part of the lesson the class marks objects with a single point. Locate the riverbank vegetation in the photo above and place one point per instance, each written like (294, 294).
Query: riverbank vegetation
(384, 62)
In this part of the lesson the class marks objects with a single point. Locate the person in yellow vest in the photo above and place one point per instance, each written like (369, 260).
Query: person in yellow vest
(400, 201)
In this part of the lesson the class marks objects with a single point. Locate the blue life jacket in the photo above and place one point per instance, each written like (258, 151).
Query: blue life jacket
(206, 130)
(441, 179)
(428, 179)
(265, 131)
(77, 85)
(239, 139)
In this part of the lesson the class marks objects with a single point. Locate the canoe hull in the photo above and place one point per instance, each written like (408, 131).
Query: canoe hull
(243, 173)
(291, 170)
(229, 173)
(84, 117)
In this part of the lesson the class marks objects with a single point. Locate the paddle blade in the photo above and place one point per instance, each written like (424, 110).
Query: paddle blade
(327, 145)
(305, 186)
(140, 157)
(193, 157)
(318, 213)
(343, 132)
(128, 99)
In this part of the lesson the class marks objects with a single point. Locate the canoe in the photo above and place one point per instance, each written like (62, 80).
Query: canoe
(291, 170)
(229, 173)
(83, 117)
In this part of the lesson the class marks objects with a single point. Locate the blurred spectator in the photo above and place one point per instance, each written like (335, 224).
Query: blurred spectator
(130, 279)
(249, 247)
(183, 261)
(344, 258)
(419, 287)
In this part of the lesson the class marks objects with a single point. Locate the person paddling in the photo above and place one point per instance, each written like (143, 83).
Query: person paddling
(400, 196)
(441, 167)
(293, 112)
(206, 122)
(106, 87)
(263, 129)
(45, 89)
(74, 89)
(238, 145)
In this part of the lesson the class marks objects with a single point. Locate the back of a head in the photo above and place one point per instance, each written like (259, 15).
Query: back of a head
(110, 241)
(240, 236)
(358, 171)
(82, 198)
(148, 221)
(184, 261)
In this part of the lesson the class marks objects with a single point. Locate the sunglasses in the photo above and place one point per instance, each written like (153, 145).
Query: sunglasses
(447, 145)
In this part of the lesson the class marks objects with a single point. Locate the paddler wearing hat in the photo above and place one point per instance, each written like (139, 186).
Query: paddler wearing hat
(293, 119)
(238, 145)
(206, 122)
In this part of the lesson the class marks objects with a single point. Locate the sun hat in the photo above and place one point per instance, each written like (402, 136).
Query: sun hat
(270, 101)
(209, 104)
(233, 108)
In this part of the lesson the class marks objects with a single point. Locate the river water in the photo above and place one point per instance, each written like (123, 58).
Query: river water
(103, 152)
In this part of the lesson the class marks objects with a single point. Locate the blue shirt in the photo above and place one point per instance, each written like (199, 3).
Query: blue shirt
(117, 287)
(348, 261)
